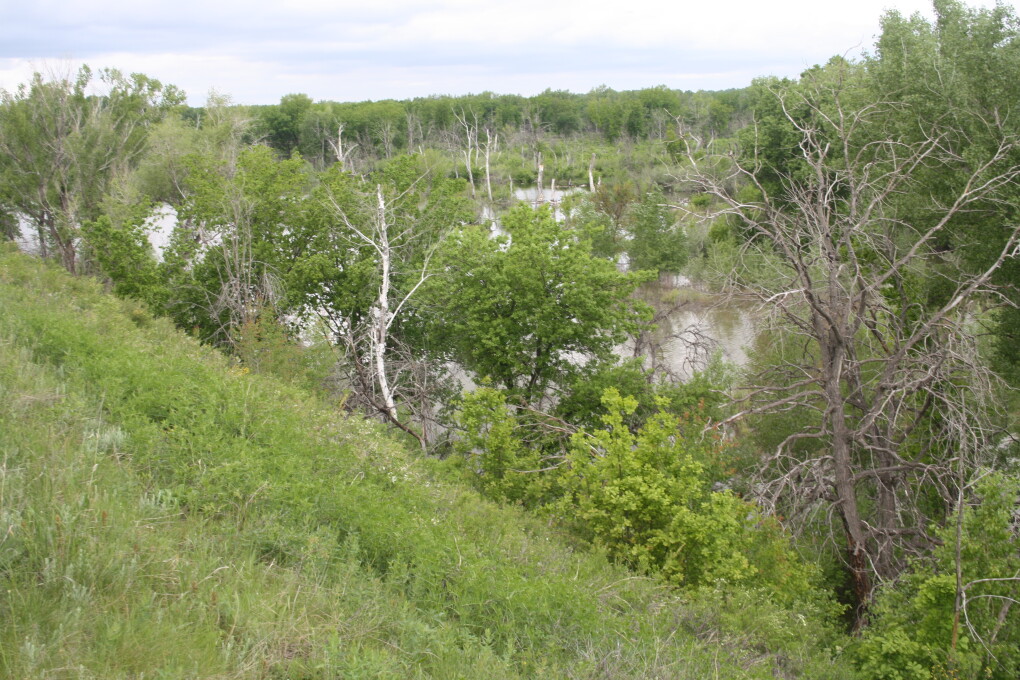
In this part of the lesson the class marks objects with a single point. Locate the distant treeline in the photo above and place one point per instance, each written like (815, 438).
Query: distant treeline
(381, 129)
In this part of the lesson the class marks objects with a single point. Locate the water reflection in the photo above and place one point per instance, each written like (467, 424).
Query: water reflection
(537, 196)
(691, 327)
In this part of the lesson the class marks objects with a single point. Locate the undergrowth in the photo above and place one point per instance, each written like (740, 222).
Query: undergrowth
(164, 515)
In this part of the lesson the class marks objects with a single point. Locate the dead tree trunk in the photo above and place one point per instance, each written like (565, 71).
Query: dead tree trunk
(490, 143)
(471, 145)
(539, 195)
(881, 378)
(342, 154)
(372, 346)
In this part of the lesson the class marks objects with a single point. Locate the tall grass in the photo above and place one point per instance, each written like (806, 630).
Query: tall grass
(164, 516)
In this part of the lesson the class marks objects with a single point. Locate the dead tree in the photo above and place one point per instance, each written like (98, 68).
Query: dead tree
(342, 154)
(883, 379)
(471, 145)
(540, 196)
(491, 143)
(370, 346)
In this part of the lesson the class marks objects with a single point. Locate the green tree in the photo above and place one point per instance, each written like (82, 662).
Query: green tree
(658, 242)
(283, 123)
(241, 229)
(63, 145)
(559, 109)
(601, 215)
(529, 308)
(960, 67)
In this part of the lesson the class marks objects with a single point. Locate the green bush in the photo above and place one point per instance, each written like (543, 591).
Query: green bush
(142, 464)
(647, 498)
(912, 632)
(499, 463)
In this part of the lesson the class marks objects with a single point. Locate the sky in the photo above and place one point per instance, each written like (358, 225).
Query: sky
(256, 51)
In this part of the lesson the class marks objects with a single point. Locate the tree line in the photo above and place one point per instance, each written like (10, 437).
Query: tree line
(382, 129)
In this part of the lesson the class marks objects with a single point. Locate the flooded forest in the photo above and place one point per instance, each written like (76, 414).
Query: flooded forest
(758, 342)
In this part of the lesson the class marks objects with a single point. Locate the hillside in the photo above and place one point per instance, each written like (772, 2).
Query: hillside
(164, 515)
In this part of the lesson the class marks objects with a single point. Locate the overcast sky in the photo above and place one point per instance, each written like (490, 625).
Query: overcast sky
(256, 51)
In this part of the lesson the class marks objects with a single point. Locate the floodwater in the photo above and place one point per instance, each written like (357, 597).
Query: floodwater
(536, 197)
(160, 226)
(692, 327)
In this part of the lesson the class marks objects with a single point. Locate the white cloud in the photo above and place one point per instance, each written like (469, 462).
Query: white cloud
(259, 50)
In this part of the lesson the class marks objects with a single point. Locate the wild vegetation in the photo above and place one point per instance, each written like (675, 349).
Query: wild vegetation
(568, 511)
(166, 512)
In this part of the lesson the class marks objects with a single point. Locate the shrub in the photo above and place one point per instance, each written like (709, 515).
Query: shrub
(912, 632)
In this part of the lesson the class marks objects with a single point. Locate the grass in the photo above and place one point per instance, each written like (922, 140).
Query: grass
(164, 516)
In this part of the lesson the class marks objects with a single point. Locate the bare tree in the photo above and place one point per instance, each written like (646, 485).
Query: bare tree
(381, 364)
(415, 134)
(342, 154)
(387, 132)
(888, 381)
(471, 144)
(491, 144)
(660, 341)
(539, 195)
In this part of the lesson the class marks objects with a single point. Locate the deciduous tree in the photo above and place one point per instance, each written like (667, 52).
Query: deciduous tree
(528, 308)
(64, 139)
(891, 382)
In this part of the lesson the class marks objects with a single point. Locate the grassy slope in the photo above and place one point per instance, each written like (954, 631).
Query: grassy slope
(163, 516)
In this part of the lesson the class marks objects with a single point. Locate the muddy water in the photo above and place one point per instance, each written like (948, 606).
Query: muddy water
(692, 327)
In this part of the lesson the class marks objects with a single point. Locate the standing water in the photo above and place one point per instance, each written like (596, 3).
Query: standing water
(691, 328)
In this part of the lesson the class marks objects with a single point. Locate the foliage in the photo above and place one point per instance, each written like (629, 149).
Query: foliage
(241, 225)
(646, 493)
(123, 254)
(957, 67)
(658, 242)
(580, 403)
(166, 515)
(912, 635)
(500, 463)
(283, 123)
(606, 235)
(63, 145)
(527, 308)
(647, 498)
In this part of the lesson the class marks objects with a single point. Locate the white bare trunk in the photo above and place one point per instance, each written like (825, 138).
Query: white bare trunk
(540, 197)
(381, 313)
(467, 166)
(471, 136)
(489, 142)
